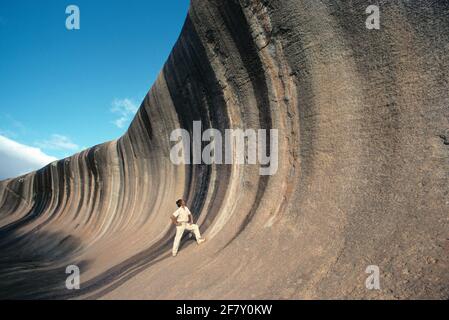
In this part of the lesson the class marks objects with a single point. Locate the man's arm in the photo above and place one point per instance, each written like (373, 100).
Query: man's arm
(174, 220)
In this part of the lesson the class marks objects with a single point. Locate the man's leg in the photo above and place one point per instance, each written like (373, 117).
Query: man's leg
(196, 231)
(179, 232)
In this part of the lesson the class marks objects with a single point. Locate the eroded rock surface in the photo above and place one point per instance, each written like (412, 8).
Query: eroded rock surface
(363, 119)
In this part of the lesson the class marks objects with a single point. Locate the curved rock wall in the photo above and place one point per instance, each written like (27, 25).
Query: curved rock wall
(362, 177)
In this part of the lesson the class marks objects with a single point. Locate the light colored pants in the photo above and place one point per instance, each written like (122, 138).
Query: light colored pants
(180, 230)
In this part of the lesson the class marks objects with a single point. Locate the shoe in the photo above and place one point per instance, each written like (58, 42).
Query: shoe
(174, 254)
(200, 241)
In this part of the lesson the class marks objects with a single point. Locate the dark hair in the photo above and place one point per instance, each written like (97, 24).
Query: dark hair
(179, 202)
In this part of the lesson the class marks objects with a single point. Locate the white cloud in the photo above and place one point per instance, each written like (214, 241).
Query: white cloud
(120, 122)
(125, 108)
(58, 142)
(17, 159)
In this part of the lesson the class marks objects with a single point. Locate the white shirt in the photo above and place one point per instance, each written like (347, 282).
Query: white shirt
(182, 214)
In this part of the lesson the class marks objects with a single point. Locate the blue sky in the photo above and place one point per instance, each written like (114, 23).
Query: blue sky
(64, 90)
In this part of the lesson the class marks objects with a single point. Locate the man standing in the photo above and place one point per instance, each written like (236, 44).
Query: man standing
(183, 220)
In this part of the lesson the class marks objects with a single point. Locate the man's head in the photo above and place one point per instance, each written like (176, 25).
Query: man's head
(180, 203)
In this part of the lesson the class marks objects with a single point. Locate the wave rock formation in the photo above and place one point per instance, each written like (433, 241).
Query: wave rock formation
(363, 120)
